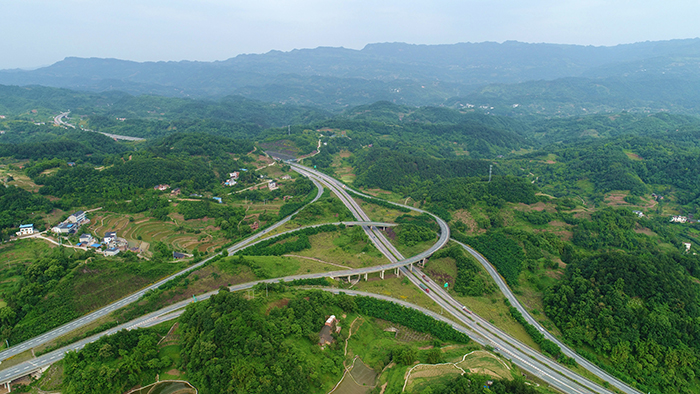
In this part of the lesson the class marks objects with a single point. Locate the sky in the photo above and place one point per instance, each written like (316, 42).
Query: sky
(38, 33)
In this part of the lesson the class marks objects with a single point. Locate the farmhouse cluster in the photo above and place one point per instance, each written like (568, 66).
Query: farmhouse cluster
(72, 224)
(111, 242)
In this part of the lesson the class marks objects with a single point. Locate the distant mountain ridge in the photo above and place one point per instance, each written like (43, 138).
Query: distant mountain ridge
(337, 78)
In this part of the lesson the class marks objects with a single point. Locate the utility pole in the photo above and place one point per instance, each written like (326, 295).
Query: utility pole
(490, 169)
(289, 130)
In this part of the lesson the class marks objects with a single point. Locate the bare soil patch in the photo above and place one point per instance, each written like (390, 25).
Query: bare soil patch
(616, 199)
(277, 304)
(466, 217)
(643, 230)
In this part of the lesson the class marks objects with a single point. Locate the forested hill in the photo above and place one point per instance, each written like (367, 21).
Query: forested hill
(336, 78)
(40, 102)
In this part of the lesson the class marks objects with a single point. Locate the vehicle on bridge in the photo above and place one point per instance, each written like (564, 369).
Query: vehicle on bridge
(424, 287)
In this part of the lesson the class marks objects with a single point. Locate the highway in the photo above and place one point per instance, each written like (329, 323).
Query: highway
(58, 121)
(446, 301)
(481, 331)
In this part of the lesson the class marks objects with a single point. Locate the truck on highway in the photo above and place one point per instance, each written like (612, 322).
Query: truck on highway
(424, 287)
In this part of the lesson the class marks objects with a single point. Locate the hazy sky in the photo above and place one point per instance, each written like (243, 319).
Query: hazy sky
(40, 32)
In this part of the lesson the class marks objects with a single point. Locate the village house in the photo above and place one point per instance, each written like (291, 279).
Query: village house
(176, 191)
(285, 177)
(25, 229)
(85, 238)
(111, 252)
(161, 187)
(326, 334)
(110, 236)
(272, 185)
(679, 219)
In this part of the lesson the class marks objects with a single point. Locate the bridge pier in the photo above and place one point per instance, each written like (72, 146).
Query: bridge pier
(410, 267)
(381, 274)
(8, 387)
(422, 262)
(365, 277)
(396, 272)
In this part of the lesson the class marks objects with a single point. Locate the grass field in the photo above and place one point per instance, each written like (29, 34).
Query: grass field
(399, 288)
(338, 248)
(408, 251)
(378, 213)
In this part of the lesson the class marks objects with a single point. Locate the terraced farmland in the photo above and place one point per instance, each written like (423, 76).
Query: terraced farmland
(199, 234)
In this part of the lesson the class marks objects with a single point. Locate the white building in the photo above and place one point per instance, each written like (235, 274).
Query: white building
(111, 252)
(110, 236)
(25, 229)
(679, 219)
(77, 217)
(65, 228)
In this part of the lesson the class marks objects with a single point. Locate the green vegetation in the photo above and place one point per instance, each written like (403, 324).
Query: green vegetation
(281, 348)
(410, 318)
(114, 363)
(277, 247)
(18, 206)
(639, 310)
(476, 384)
(66, 284)
(468, 282)
(503, 252)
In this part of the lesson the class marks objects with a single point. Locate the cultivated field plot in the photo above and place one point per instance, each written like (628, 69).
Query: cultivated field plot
(403, 334)
(20, 179)
(478, 362)
(423, 373)
(360, 380)
(485, 363)
(179, 235)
